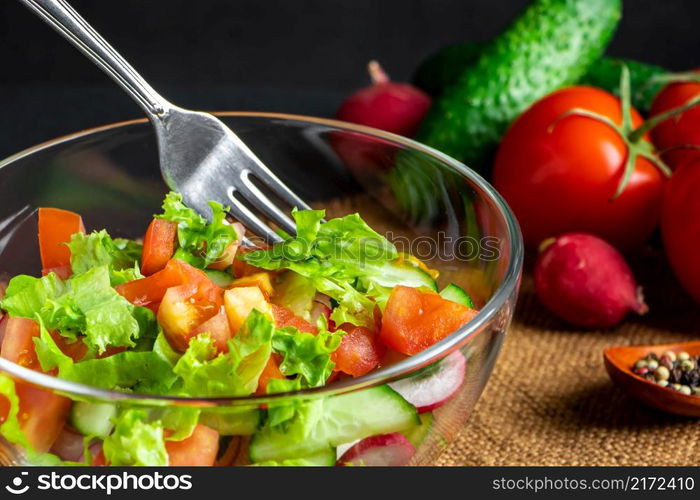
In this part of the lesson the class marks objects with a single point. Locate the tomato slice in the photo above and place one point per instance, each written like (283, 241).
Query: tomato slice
(63, 272)
(359, 352)
(56, 226)
(42, 415)
(414, 320)
(158, 245)
(271, 370)
(242, 268)
(284, 317)
(152, 289)
(198, 450)
(180, 313)
(218, 327)
(18, 342)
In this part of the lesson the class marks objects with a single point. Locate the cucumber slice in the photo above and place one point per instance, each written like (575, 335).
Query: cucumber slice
(395, 273)
(324, 423)
(296, 293)
(456, 294)
(232, 423)
(93, 419)
(221, 278)
(323, 458)
(417, 434)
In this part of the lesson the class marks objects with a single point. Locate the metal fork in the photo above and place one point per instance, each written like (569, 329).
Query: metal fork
(200, 157)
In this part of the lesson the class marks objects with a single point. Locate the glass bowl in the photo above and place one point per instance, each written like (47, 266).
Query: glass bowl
(425, 202)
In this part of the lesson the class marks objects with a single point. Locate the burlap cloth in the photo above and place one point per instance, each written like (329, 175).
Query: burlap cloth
(550, 401)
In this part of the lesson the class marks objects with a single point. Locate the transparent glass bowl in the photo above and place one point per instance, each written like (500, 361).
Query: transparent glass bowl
(426, 202)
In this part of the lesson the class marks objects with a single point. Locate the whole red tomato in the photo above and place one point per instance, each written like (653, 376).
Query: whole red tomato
(680, 225)
(560, 174)
(681, 130)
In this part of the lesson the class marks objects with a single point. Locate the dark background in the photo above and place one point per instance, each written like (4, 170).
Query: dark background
(299, 56)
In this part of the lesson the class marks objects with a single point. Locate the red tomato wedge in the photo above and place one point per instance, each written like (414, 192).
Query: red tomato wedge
(414, 320)
(181, 312)
(63, 272)
(285, 317)
(42, 415)
(218, 327)
(359, 352)
(18, 342)
(158, 245)
(176, 272)
(198, 450)
(56, 226)
(271, 370)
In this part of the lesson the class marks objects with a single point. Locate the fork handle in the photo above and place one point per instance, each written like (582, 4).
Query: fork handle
(64, 19)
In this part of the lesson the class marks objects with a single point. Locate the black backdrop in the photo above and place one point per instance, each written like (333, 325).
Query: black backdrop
(299, 56)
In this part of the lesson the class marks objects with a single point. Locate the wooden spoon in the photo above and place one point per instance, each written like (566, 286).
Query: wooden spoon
(619, 361)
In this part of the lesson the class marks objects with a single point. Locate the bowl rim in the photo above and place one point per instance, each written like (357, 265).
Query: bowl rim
(377, 377)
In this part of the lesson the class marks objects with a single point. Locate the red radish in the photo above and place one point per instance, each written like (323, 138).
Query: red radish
(386, 105)
(384, 450)
(68, 445)
(586, 282)
(435, 387)
(321, 307)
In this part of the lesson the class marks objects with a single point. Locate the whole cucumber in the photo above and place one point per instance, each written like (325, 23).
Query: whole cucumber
(443, 69)
(551, 45)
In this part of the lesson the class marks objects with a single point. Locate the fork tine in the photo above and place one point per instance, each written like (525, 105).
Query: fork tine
(260, 201)
(251, 221)
(275, 185)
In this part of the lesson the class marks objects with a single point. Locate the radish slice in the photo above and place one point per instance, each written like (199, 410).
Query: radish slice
(69, 445)
(383, 450)
(427, 391)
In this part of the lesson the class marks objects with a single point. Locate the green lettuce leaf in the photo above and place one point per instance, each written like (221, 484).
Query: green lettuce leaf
(200, 242)
(140, 371)
(305, 354)
(109, 319)
(27, 295)
(97, 249)
(136, 441)
(343, 257)
(234, 373)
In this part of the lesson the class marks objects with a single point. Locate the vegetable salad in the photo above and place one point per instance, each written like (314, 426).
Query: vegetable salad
(193, 312)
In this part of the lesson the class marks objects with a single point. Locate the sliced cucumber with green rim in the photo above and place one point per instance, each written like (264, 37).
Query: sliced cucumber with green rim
(417, 434)
(323, 458)
(221, 278)
(395, 273)
(232, 423)
(456, 294)
(325, 423)
(93, 419)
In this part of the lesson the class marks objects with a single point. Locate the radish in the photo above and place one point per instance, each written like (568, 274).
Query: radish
(435, 387)
(384, 450)
(68, 445)
(386, 105)
(586, 282)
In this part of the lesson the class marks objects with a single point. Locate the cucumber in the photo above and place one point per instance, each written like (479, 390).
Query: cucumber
(443, 69)
(417, 434)
(93, 419)
(221, 278)
(232, 423)
(323, 458)
(325, 423)
(456, 294)
(395, 273)
(551, 45)
(296, 293)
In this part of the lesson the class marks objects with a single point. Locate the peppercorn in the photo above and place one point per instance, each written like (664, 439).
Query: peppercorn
(670, 355)
(662, 373)
(652, 364)
(687, 365)
(682, 356)
(662, 383)
(685, 390)
(642, 363)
